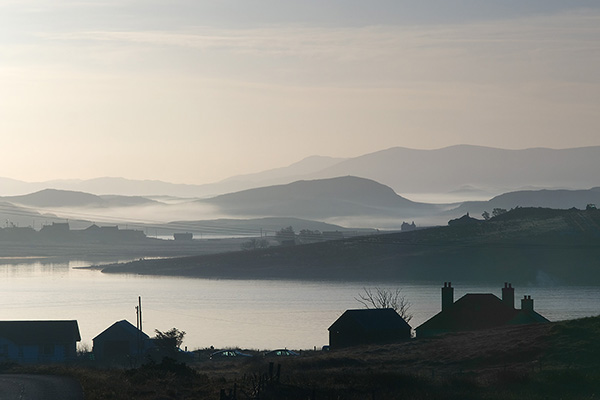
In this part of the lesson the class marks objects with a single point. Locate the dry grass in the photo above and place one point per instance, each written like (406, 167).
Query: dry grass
(557, 360)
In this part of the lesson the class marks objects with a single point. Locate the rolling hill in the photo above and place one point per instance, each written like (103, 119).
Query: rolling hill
(318, 199)
(67, 198)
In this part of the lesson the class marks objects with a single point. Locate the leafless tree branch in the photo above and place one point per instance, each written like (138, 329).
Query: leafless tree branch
(386, 298)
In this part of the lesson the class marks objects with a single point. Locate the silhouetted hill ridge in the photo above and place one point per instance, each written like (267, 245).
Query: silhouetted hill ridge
(341, 196)
(69, 198)
(444, 170)
(556, 199)
(481, 169)
(525, 246)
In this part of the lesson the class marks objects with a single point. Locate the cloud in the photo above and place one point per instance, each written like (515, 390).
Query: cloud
(247, 98)
(523, 46)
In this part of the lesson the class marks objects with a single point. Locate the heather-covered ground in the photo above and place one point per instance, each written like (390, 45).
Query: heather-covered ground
(552, 361)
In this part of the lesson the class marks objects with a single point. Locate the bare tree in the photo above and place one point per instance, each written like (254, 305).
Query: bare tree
(386, 298)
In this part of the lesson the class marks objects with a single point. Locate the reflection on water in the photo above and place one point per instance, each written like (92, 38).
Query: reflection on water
(245, 313)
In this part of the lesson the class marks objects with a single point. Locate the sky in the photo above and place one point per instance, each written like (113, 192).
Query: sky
(195, 91)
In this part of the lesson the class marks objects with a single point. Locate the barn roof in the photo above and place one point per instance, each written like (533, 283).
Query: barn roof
(122, 327)
(40, 332)
(373, 319)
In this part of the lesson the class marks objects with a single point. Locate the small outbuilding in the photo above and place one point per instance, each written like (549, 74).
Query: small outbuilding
(120, 342)
(38, 341)
(368, 326)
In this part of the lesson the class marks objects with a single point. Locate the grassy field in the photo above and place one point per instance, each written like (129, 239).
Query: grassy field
(548, 361)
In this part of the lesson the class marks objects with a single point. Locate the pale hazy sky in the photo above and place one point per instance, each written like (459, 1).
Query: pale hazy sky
(196, 91)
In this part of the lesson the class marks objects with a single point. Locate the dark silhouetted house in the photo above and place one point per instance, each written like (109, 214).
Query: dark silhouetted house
(56, 232)
(479, 311)
(368, 326)
(120, 342)
(406, 227)
(110, 234)
(38, 341)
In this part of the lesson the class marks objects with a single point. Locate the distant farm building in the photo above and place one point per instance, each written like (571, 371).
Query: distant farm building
(38, 341)
(368, 326)
(183, 237)
(120, 342)
(111, 234)
(464, 220)
(479, 311)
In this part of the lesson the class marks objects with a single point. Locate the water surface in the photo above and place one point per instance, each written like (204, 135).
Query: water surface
(254, 314)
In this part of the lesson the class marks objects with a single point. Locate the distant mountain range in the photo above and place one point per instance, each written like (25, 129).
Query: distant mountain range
(343, 202)
(462, 169)
(474, 167)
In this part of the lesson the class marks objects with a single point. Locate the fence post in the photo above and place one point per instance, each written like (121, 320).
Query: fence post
(278, 376)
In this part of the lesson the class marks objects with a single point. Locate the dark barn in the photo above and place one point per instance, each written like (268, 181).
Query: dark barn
(38, 341)
(119, 342)
(368, 326)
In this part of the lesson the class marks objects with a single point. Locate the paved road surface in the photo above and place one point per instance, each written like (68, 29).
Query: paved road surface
(39, 387)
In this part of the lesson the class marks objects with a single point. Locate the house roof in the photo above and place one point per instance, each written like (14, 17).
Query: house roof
(122, 327)
(479, 311)
(40, 332)
(373, 319)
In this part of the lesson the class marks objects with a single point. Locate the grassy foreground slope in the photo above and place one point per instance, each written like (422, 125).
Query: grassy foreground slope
(558, 360)
(525, 245)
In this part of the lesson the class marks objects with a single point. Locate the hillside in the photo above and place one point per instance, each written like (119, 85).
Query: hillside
(559, 199)
(559, 360)
(254, 226)
(527, 245)
(324, 198)
(488, 169)
(67, 198)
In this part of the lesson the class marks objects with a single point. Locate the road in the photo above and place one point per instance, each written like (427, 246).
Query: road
(39, 387)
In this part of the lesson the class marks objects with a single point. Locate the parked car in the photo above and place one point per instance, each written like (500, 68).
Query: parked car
(227, 354)
(281, 353)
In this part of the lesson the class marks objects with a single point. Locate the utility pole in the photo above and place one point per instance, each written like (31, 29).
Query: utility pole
(140, 312)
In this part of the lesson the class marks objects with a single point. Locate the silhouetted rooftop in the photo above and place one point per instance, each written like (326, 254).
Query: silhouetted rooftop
(373, 319)
(40, 332)
(478, 311)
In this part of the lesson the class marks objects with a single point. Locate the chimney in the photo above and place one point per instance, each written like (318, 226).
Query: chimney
(447, 295)
(508, 295)
(527, 303)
